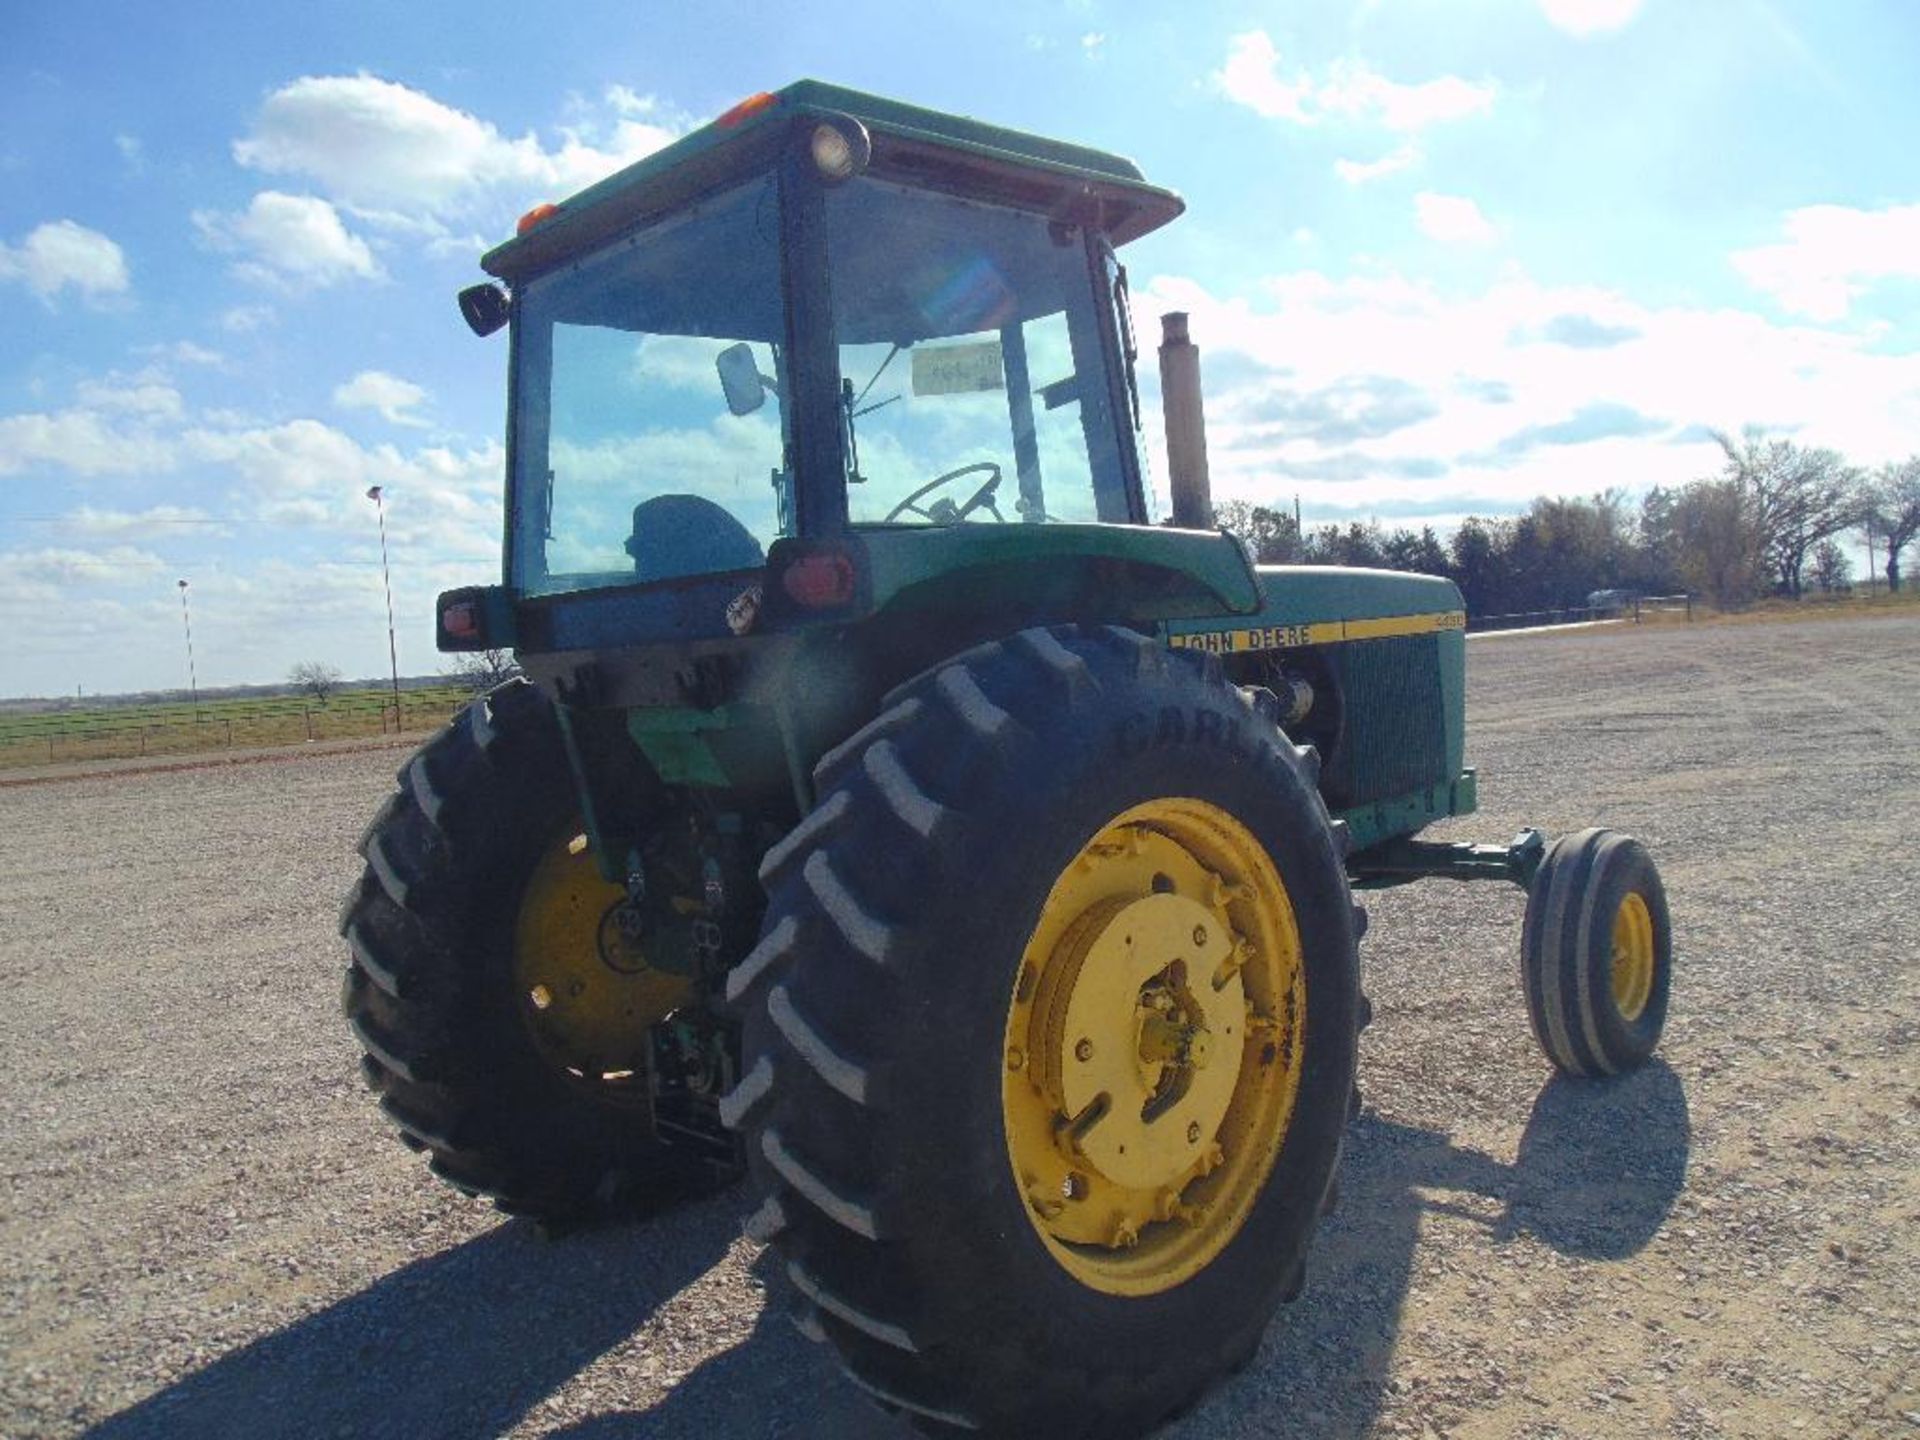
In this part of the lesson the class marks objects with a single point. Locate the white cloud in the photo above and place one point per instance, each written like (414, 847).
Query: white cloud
(69, 567)
(387, 149)
(1091, 43)
(1379, 390)
(1356, 172)
(395, 399)
(147, 394)
(62, 254)
(244, 319)
(1831, 255)
(1590, 17)
(1350, 90)
(164, 519)
(184, 352)
(290, 239)
(1452, 219)
(83, 442)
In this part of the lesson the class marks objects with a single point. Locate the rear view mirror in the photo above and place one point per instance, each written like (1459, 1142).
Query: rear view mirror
(740, 377)
(485, 308)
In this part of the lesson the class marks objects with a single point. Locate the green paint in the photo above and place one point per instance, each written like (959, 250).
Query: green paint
(678, 742)
(713, 156)
(1370, 824)
(1129, 573)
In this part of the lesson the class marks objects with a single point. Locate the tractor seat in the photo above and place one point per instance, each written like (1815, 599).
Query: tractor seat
(679, 535)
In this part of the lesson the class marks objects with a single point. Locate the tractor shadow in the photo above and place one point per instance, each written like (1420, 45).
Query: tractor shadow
(470, 1341)
(1599, 1167)
(466, 1342)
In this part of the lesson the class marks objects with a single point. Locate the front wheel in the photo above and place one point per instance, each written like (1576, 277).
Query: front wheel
(1050, 1037)
(1596, 953)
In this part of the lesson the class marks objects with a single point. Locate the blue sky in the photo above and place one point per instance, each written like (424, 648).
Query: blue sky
(1441, 257)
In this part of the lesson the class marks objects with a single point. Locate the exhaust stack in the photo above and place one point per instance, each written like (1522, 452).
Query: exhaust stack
(1186, 425)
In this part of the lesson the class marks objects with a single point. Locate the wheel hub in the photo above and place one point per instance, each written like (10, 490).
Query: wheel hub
(1128, 1035)
(1154, 1046)
(581, 967)
(1632, 964)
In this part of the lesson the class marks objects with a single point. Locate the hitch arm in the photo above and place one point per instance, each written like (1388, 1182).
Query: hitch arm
(1401, 860)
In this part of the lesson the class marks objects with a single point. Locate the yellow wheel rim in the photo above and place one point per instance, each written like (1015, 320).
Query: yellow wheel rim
(585, 988)
(1632, 957)
(1154, 1046)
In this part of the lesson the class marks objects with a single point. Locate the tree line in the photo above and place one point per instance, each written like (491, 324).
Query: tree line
(1768, 523)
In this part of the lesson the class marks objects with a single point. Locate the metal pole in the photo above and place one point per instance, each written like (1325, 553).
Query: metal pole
(386, 577)
(193, 676)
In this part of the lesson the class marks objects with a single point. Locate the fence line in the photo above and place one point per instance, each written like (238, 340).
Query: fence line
(1662, 603)
(1581, 614)
(1531, 619)
(49, 745)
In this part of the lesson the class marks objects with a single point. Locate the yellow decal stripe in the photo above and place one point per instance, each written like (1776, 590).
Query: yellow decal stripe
(1326, 632)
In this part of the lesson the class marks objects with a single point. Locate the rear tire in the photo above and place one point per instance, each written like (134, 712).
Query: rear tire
(431, 989)
(1596, 953)
(898, 957)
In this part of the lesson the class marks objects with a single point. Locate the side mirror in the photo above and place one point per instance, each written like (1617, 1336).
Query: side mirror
(485, 308)
(740, 378)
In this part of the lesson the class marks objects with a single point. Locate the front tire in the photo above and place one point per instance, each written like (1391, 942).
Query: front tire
(471, 930)
(1596, 953)
(1039, 860)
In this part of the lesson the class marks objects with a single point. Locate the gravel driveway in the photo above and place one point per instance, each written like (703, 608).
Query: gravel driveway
(206, 1230)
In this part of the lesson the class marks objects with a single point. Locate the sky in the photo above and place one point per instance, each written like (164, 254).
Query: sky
(1440, 258)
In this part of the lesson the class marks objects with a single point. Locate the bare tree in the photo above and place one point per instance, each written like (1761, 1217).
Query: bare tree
(1269, 531)
(1892, 511)
(1832, 570)
(481, 670)
(1794, 497)
(1715, 543)
(316, 677)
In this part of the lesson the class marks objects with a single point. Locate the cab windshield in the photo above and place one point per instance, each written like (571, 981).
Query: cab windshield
(628, 463)
(653, 415)
(971, 367)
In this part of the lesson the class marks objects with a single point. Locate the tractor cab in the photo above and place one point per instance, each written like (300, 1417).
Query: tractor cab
(820, 326)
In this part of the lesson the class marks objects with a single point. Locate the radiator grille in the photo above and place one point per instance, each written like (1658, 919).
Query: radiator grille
(1393, 735)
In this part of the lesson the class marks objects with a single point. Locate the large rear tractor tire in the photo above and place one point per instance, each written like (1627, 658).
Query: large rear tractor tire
(1596, 953)
(503, 1020)
(1050, 1037)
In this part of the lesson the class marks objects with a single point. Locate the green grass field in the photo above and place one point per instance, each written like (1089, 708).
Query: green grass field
(108, 732)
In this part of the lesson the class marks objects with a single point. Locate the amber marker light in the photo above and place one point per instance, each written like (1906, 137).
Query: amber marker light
(747, 109)
(534, 216)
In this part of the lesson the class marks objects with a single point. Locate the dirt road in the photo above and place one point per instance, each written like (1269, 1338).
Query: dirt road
(206, 1230)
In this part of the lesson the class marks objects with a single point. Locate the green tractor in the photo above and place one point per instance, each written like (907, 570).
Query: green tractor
(891, 809)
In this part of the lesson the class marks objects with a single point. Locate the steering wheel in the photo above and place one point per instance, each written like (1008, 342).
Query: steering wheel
(946, 512)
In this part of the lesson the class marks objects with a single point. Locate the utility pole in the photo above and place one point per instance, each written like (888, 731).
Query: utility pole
(193, 677)
(375, 494)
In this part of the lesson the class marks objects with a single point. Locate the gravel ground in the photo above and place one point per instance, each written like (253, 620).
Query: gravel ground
(207, 1232)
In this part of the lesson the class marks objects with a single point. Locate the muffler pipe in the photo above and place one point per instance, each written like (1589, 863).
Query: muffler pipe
(1186, 425)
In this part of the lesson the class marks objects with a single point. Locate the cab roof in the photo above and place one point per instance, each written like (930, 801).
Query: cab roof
(909, 143)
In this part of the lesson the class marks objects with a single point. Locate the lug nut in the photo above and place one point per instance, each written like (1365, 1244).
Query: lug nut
(1199, 934)
(1016, 1058)
(1083, 1051)
(1193, 1133)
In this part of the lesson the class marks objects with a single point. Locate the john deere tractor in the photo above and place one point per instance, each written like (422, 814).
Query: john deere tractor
(891, 809)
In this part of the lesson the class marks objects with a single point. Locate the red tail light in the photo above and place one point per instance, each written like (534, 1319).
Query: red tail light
(460, 620)
(819, 581)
